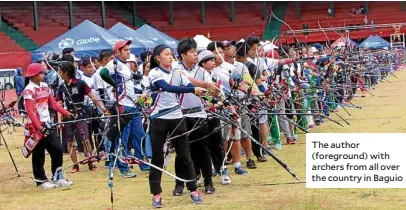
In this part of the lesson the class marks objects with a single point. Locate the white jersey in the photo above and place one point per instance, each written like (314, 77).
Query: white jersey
(241, 70)
(99, 83)
(259, 62)
(124, 79)
(224, 73)
(141, 69)
(39, 95)
(227, 70)
(190, 100)
(79, 74)
(165, 100)
(272, 64)
(90, 82)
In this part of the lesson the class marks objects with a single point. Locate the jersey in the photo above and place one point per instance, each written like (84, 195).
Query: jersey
(73, 95)
(124, 79)
(90, 82)
(99, 83)
(165, 100)
(226, 71)
(190, 100)
(39, 94)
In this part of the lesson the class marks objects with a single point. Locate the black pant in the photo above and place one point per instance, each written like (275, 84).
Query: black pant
(215, 143)
(21, 107)
(256, 149)
(52, 144)
(199, 150)
(113, 131)
(94, 128)
(95, 135)
(288, 108)
(160, 128)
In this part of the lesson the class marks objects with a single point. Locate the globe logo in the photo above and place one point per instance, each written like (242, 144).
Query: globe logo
(64, 43)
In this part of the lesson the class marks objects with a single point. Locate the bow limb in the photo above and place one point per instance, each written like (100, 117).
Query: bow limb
(339, 34)
(134, 160)
(327, 45)
(91, 62)
(294, 35)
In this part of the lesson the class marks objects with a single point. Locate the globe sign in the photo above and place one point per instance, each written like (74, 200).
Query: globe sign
(64, 43)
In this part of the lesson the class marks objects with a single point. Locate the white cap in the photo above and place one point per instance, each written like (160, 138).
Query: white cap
(269, 46)
(132, 58)
(205, 55)
(241, 40)
(76, 58)
(313, 49)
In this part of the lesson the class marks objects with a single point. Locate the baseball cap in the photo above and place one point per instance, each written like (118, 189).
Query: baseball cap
(268, 47)
(313, 49)
(318, 46)
(132, 58)
(229, 43)
(121, 43)
(33, 69)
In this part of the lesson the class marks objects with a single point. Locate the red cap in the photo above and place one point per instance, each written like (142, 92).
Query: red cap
(121, 43)
(275, 54)
(33, 69)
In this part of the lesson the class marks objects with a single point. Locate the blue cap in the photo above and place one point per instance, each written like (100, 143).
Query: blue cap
(318, 46)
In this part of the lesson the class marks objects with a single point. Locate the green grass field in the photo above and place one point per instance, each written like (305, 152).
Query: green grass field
(267, 187)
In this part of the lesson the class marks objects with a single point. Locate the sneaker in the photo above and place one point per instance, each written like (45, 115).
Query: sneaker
(63, 183)
(242, 153)
(75, 168)
(240, 171)
(261, 159)
(92, 167)
(213, 172)
(127, 174)
(278, 146)
(196, 197)
(47, 185)
(225, 179)
(251, 164)
(157, 201)
(209, 189)
(103, 155)
(317, 122)
(291, 141)
(178, 191)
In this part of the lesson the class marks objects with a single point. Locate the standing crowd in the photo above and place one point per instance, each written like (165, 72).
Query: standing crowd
(169, 100)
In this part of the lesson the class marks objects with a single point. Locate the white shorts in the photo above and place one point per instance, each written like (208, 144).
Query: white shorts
(245, 122)
(263, 118)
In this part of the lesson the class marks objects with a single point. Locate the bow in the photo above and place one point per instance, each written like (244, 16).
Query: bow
(294, 35)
